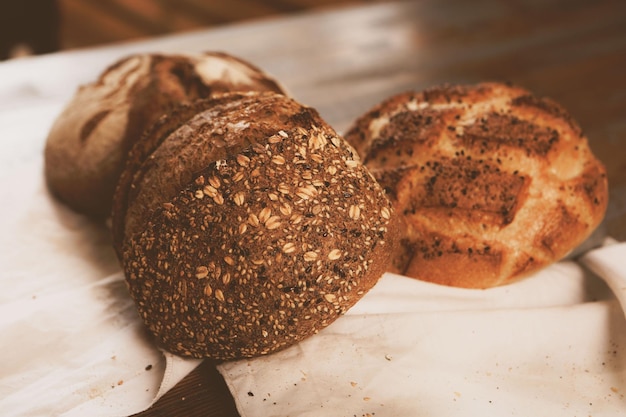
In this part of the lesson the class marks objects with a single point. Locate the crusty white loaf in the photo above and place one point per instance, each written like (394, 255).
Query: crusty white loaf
(244, 224)
(491, 181)
(87, 145)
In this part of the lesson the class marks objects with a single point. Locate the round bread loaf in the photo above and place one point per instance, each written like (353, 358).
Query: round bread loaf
(244, 224)
(491, 181)
(88, 143)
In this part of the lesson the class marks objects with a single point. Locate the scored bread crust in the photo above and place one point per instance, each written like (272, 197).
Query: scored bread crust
(492, 182)
(88, 142)
(245, 224)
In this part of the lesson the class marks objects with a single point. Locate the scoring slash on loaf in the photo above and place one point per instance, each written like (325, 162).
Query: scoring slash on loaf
(492, 182)
(88, 143)
(245, 224)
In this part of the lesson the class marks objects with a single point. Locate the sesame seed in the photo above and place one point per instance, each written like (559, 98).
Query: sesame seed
(310, 256)
(210, 191)
(330, 297)
(239, 175)
(218, 199)
(273, 222)
(351, 163)
(215, 182)
(253, 220)
(278, 160)
(285, 209)
(258, 148)
(334, 254)
(283, 188)
(385, 213)
(289, 247)
(243, 160)
(202, 272)
(283, 133)
(354, 212)
(208, 290)
(306, 192)
(239, 198)
(265, 214)
(317, 141)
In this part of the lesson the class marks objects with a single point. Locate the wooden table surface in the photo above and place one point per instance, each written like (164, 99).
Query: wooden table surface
(343, 62)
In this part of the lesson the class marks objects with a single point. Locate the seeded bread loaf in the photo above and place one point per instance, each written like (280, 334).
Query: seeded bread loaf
(88, 143)
(491, 181)
(245, 224)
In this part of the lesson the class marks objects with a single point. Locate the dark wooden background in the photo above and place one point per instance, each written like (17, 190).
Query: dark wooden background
(89, 22)
(40, 26)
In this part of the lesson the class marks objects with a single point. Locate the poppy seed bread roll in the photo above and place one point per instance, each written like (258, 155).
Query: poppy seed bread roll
(492, 182)
(245, 224)
(88, 143)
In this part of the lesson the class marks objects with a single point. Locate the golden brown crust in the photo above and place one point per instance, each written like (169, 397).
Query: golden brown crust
(88, 143)
(256, 244)
(492, 182)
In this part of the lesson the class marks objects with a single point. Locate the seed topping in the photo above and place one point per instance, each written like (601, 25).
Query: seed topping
(273, 222)
(239, 198)
(243, 160)
(334, 254)
(310, 256)
(306, 192)
(354, 212)
(275, 240)
(289, 247)
(202, 272)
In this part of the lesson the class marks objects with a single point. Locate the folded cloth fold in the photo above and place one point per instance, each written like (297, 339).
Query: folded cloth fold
(608, 263)
(550, 345)
(81, 352)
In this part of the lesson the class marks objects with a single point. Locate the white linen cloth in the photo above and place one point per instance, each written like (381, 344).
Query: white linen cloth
(551, 345)
(71, 342)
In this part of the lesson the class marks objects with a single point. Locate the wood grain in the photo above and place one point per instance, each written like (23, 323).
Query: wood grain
(203, 393)
(86, 23)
